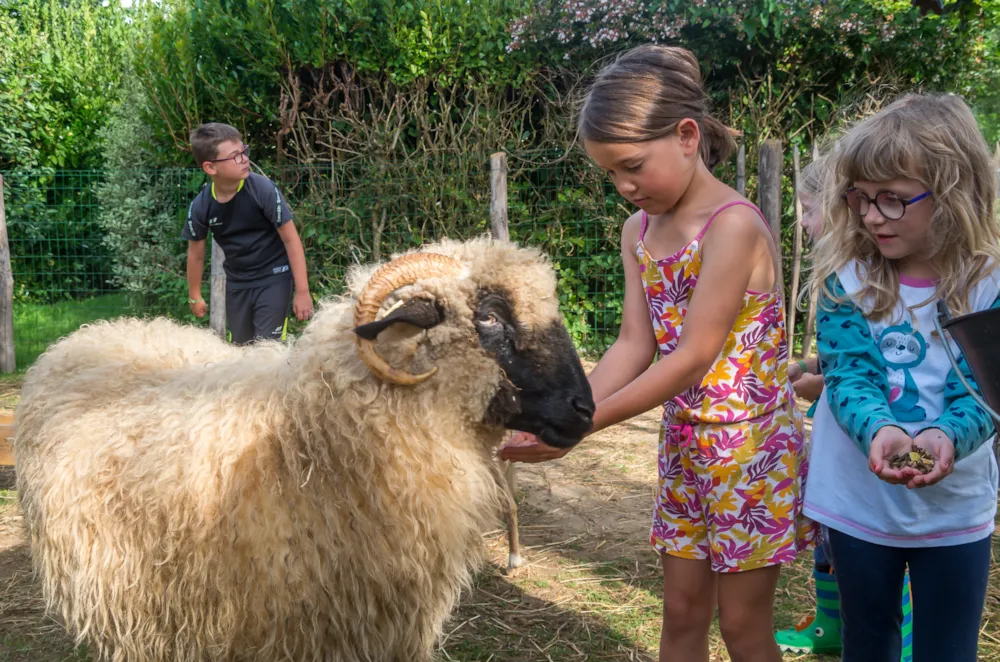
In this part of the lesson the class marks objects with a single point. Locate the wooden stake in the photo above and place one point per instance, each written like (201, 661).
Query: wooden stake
(500, 231)
(769, 163)
(793, 300)
(217, 299)
(807, 333)
(498, 196)
(8, 364)
(741, 170)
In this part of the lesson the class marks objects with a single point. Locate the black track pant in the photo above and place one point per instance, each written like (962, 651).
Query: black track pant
(258, 312)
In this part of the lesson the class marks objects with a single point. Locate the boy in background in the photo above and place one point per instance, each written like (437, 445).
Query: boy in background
(250, 220)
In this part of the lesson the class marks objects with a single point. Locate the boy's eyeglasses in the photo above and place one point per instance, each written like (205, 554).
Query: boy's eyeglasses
(891, 206)
(238, 156)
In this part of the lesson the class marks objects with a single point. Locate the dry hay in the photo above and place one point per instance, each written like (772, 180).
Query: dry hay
(591, 588)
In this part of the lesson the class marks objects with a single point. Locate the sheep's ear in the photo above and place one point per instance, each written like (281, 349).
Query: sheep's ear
(423, 313)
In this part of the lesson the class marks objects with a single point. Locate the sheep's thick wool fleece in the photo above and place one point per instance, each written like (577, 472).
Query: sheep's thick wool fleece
(189, 500)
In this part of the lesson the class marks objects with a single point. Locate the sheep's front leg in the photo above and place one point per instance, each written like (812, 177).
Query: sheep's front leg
(514, 560)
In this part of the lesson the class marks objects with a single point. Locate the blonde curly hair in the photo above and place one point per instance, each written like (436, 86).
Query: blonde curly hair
(933, 139)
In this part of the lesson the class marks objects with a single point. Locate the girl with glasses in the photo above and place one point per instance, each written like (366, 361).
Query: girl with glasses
(911, 222)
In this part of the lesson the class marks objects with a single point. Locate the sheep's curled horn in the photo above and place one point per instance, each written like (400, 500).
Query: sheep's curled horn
(387, 279)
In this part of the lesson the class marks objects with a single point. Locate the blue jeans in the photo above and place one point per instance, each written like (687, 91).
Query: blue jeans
(949, 591)
(821, 550)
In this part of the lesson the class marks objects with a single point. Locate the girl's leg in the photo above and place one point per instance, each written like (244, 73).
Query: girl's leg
(949, 590)
(870, 579)
(689, 590)
(746, 604)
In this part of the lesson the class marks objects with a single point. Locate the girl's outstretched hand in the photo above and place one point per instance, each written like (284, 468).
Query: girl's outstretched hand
(937, 443)
(887, 442)
(526, 447)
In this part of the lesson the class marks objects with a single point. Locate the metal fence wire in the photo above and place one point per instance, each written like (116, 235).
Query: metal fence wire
(96, 244)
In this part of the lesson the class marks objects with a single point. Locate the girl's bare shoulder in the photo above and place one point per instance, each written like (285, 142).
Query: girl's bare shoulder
(737, 219)
(631, 230)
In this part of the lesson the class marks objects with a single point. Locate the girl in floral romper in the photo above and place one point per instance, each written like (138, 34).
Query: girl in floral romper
(702, 295)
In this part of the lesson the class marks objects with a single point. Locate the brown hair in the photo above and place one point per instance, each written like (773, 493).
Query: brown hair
(205, 140)
(644, 94)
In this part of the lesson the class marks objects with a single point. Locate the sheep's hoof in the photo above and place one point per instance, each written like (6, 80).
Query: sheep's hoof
(514, 561)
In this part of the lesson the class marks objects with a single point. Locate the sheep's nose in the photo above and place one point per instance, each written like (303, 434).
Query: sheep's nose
(583, 406)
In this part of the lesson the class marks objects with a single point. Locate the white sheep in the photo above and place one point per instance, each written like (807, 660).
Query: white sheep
(324, 500)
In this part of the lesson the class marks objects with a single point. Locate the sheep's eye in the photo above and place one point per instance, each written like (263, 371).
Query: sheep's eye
(489, 320)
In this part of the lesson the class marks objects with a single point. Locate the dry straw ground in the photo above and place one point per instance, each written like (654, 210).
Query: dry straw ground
(591, 590)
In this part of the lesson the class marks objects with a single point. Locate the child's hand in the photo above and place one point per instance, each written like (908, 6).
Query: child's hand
(199, 307)
(526, 447)
(887, 442)
(937, 443)
(302, 306)
(794, 372)
(809, 387)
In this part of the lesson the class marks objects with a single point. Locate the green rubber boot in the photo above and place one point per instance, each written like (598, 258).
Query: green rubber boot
(819, 633)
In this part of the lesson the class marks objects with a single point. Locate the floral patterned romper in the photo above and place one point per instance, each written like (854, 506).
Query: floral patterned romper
(732, 461)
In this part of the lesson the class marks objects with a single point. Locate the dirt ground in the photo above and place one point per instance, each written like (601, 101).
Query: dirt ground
(591, 588)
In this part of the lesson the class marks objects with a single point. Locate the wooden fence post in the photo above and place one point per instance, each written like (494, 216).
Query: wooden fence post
(793, 298)
(500, 231)
(8, 363)
(769, 162)
(741, 170)
(217, 299)
(996, 163)
(498, 196)
(807, 333)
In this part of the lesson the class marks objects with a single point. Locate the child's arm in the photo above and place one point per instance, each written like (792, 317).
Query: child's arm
(714, 306)
(958, 432)
(635, 347)
(302, 305)
(195, 232)
(195, 268)
(857, 387)
(964, 422)
(626, 359)
(809, 387)
(807, 380)
(856, 383)
(276, 209)
(796, 369)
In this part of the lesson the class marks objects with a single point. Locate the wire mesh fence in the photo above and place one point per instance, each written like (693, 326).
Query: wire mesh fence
(97, 244)
(60, 264)
(66, 269)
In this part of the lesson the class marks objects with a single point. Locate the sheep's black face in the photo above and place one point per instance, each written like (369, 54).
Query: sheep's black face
(548, 393)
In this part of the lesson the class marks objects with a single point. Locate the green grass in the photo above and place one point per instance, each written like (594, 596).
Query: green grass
(15, 649)
(36, 326)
